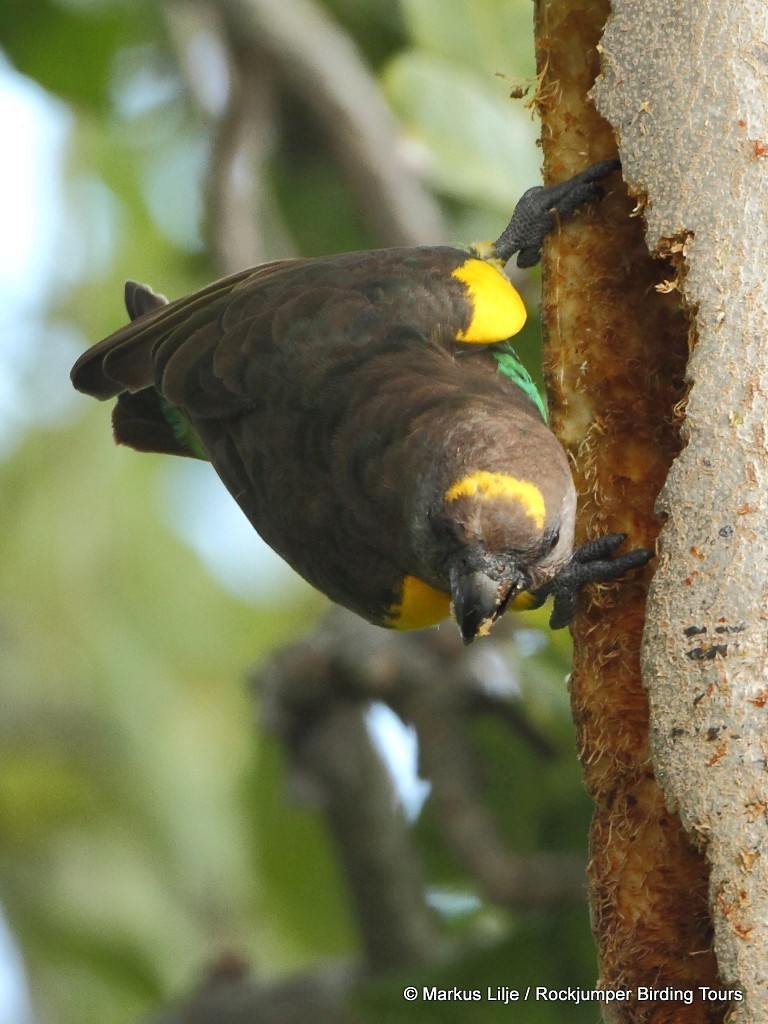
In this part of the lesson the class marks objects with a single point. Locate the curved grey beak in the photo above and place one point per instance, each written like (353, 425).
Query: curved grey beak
(478, 601)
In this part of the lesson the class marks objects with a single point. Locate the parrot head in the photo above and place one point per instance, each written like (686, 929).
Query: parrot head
(504, 543)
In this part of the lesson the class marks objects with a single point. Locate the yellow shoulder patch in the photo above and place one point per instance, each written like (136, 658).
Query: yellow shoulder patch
(493, 486)
(497, 309)
(420, 606)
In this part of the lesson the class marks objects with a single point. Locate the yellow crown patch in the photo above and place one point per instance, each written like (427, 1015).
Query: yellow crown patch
(492, 486)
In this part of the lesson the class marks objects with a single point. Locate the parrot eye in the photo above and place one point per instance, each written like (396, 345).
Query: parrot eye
(549, 542)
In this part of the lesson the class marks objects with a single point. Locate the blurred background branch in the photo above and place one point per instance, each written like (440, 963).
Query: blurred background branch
(245, 226)
(321, 66)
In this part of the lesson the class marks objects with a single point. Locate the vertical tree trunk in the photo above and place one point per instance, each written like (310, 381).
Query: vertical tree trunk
(616, 354)
(685, 87)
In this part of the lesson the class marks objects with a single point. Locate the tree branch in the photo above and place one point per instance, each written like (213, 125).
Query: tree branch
(320, 64)
(439, 705)
(429, 679)
(314, 695)
(243, 220)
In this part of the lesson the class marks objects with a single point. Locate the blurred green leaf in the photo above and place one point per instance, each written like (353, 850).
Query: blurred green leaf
(478, 146)
(303, 892)
(47, 40)
(132, 732)
(491, 36)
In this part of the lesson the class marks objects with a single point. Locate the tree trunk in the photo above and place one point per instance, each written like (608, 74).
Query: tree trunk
(684, 85)
(617, 345)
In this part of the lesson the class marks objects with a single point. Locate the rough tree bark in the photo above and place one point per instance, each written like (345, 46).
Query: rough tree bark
(617, 350)
(684, 86)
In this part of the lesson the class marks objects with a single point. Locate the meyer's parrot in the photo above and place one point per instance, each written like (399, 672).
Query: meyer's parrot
(368, 415)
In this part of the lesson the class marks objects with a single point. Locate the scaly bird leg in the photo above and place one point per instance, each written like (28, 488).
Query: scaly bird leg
(535, 213)
(591, 562)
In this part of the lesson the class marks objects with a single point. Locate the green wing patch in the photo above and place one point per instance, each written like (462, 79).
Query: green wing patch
(510, 366)
(183, 431)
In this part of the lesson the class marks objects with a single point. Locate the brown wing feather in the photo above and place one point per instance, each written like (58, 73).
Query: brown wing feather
(124, 361)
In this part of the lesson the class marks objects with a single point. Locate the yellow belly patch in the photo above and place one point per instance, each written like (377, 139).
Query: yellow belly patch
(420, 605)
(525, 602)
(501, 486)
(497, 309)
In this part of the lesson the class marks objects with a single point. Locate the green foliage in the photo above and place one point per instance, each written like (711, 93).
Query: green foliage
(490, 35)
(476, 141)
(302, 892)
(123, 809)
(145, 826)
(317, 206)
(47, 40)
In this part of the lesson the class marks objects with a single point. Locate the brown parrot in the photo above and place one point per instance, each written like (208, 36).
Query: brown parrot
(369, 416)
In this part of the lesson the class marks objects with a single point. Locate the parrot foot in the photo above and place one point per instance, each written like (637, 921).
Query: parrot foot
(591, 562)
(535, 213)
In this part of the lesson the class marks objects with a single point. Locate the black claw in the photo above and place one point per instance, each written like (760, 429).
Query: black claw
(563, 610)
(589, 563)
(598, 547)
(533, 217)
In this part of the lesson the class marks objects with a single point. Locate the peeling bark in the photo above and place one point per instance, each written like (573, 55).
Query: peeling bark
(684, 85)
(616, 352)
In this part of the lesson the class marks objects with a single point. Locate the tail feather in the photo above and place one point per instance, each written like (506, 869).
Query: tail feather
(134, 342)
(140, 299)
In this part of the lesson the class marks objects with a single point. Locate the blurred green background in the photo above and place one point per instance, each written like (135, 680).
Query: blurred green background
(145, 825)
